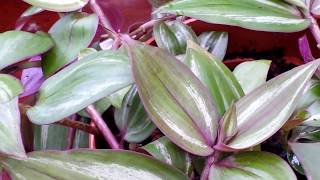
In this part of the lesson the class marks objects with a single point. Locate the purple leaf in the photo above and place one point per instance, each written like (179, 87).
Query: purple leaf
(305, 50)
(31, 79)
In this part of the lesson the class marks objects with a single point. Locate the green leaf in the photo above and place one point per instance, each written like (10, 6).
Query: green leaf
(71, 34)
(166, 39)
(50, 137)
(176, 101)
(263, 15)
(265, 110)
(86, 164)
(79, 85)
(252, 74)
(132, 120)
(19, 45)
(31, 11)
(10, 135)
(313, 115)
(117, 97)
(215, 75)
(215, 42)
(228, 125)
(298, 3)
(308, 156)
(294, 162)
(164, 150)
(310, 95)
(58, 5)
(252, 165)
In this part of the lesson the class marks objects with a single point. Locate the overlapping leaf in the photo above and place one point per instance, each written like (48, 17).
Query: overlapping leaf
(265, 15)
(19, 45)
(11, 141)
(308, 155)
(252, 165)
(174, 98)
(263, 112)
(71, 34)
(164, 150)
(79, 85)
(132, 119)
(214, 42)
(252, 74)
(222, 84)
(58, 5)
(85, 164)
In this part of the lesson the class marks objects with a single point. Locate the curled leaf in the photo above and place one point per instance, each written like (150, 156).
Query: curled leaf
(58, 5)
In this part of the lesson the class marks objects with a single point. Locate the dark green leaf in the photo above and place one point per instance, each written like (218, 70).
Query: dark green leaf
(307, 154)
(215, 75)
(166, 38)
(252, 165)
(214, 42)
(132, 119)
(176, 101)
(71, 34)
(295, 163)
(50, 137)
(79, 85)
(86, 164)
(252, 74)
(265, 15)
(164, 150)
(264, 111)
(10, 135)
(58, 5)
(19, 45)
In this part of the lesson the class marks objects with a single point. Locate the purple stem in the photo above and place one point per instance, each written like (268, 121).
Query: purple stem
(315, 30)
(305, 50)
(96, 9)
(71, 134)
(206, 169)
(102, 126)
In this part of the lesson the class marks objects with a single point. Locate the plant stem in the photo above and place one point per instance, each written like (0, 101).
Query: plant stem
(71, 134)
(315, 30)
(79, 125)
(92, 140)
(102, 126)
(206, 169)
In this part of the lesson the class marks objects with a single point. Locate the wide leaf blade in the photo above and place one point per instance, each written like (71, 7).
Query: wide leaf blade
(174, 98)
(132, 119)
(10, 135)
(264, 15)
(79, 85)
(71, 34)
(220, 81)
(307, 154)
(215, 42)
(264, 111)
(252, 74)
(166, 151)
(252, 165)
(19, 45)
(86, 164)
(58, 5)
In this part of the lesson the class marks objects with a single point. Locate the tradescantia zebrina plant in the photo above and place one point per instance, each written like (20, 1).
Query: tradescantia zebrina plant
(111, 106)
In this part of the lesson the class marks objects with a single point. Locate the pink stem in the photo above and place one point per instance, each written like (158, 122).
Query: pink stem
(102, 126)
(71, 134)
(206, 170)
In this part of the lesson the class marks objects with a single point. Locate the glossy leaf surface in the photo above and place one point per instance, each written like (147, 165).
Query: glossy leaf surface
(222, 84)
(264, 111)
(313, 115)
(252, 74)
(164, 150)
(85, 164)
(264, 15)
(174, 98)
(307, 155)
(252, 165)
(50, 137)
(166, 39)
(79, 85)
(11, 141)
(71, 34)
(228, 125)
(117, 97)
(58, 5)
(215, 42)
(19, 45)
(298, 3)
(132, 119)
